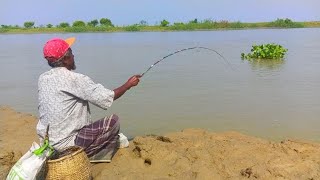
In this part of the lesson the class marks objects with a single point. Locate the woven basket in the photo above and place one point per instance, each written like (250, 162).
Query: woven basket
(74, 165)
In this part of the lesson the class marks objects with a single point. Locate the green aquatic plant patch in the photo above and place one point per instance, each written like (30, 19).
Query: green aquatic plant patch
(265, 51)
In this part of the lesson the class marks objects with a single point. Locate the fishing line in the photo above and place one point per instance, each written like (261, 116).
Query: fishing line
(186, 49)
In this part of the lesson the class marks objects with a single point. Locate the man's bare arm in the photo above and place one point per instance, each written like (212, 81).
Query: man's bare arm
(133, 81)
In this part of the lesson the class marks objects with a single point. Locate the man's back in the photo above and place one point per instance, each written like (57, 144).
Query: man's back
(63, 103)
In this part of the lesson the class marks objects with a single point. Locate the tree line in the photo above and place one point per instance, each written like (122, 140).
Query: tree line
(105, 24)
(78, 23)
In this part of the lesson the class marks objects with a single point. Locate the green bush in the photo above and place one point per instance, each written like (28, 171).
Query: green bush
(132, 28)
(78, 24)
(237, 25)
(183, 27)
(223, 24)
(164, 23)
(93, 23)
(28, 24)
(101, 29)
(75, 29)
(208, 24)
(3, 30)
(106, 22)
(265, 51)
(285, 23)
(178, 26)
(63, 25)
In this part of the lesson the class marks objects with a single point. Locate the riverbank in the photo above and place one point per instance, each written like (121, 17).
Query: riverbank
(189, 154)
(206, 25)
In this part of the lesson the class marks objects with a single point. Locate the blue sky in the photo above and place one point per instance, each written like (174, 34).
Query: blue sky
(124, 12)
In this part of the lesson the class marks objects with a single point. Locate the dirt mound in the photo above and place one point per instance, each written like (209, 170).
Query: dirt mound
(198, 154)
(189, 154)
(17, 132)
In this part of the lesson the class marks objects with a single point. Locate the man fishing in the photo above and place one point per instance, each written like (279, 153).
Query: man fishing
(64, 98)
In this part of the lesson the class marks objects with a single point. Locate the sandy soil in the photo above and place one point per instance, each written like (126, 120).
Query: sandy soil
(189, 154)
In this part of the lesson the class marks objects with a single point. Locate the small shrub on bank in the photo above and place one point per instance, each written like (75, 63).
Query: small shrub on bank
(164, 23)
(132, 28)
(75, 29)
(3, 30)
(237, 25)
(285, 23)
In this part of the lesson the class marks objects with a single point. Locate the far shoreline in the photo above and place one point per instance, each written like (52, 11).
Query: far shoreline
(151, 31)
(194, 25)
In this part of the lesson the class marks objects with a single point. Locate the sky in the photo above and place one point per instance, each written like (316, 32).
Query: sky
(128, 12)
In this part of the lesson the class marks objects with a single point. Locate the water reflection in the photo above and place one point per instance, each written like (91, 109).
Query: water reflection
(266, 64)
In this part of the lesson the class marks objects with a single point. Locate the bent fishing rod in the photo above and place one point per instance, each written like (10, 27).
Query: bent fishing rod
(186, 49)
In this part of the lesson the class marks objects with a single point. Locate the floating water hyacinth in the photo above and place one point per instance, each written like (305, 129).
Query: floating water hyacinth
(265, 51)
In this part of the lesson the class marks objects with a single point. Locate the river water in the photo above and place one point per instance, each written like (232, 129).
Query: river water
(197, 88)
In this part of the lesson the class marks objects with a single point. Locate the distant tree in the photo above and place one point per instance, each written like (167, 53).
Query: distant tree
(28, 24)
(143, 23)
(164, 23)
(288, 21)
(63, 25)
(195, 21)
(106, 22)
(78, 24)
(49, 25)
(93, 23)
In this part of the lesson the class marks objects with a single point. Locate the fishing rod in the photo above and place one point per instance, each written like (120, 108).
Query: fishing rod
(186, 49)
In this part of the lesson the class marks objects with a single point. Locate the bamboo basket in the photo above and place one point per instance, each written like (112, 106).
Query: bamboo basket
(72, 164)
